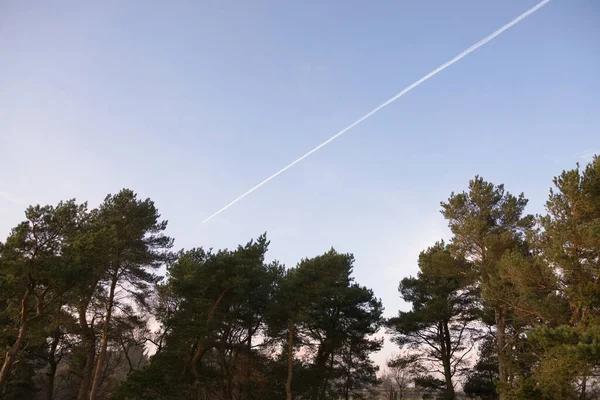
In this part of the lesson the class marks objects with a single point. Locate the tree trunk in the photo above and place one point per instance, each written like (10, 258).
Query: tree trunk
(229, 391)
(246, 391)
(11, 354)
(288, 381)
(347, 389)
(446, 361)
(89, 339)
(582, 395)
(501, 343)
(50, 383)
(199, 353)
(104, 342)
(88, 369)
(53, 363)
(322, 387)
(319, 366)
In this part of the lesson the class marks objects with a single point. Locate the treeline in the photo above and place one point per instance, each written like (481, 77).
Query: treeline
(521, 290)
(83, 307)
(508, 308)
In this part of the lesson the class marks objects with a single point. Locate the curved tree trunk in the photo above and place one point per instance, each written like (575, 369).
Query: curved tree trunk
(201, 350)
(11, 354)
(319, 367)
(104, 342)
(87, 332)
(88, 369)
(53, 363)
(50, 383)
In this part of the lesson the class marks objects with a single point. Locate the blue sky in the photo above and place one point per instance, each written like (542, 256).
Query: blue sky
(192, 103)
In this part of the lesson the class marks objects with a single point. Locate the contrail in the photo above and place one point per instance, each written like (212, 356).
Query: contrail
(390, 101)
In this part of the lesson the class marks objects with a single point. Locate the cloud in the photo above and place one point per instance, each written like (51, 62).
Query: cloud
(588, 155)
(12, 199)
(308, 67)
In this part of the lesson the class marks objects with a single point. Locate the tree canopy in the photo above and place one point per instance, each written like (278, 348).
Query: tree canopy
(508, 307)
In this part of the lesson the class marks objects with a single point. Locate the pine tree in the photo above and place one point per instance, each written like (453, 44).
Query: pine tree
(569, 243)
(35, 275)
(487, 223)
(136, 246)
(439, 326)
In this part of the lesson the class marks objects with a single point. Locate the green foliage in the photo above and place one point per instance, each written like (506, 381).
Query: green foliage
(336, 317)
(35, 278)
(488, 224)
(569, 242)
(439, 326)
(134, 244)
(80, 297)
(481, 380)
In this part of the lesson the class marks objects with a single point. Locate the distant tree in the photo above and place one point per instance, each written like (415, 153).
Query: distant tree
(432, 387)
(401, 372)
(439, 326)
(481, 379)
(390, 390)
(353, 368)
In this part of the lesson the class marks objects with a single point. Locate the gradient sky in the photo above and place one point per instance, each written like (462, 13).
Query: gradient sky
(192, 103)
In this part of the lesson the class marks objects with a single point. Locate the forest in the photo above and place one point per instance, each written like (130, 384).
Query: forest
(508, 307)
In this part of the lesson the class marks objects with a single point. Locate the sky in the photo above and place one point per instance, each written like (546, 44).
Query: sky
(191, 103)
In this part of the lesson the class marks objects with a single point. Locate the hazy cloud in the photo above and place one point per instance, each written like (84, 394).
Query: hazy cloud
(588, 155)
(11, 199)
(19, 201)
(308, 68)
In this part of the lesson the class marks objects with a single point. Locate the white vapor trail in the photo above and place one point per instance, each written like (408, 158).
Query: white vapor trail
(391, 100)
